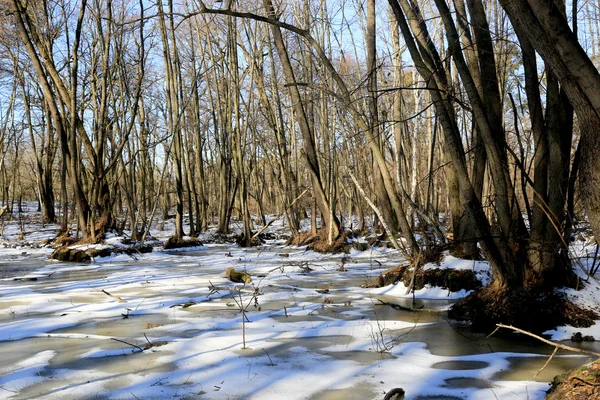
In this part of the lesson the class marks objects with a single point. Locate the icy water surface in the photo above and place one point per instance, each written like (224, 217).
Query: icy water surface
(310, 331)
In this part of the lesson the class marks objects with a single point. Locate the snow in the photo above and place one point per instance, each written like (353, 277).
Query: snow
(24, 373)
(58, 333)
(428, 292)
(587, 297)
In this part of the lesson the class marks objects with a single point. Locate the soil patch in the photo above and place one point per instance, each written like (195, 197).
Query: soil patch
(451, 279)
(532, 310)
(578, 384)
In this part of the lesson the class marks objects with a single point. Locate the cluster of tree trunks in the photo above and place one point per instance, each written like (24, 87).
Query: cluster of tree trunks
(236, 87)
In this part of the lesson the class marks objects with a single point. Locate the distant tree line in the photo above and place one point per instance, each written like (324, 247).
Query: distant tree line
(486, 112)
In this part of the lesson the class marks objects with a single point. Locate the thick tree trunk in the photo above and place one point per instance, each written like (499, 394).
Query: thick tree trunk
(507, 272)
(550, 35)
(307, 136)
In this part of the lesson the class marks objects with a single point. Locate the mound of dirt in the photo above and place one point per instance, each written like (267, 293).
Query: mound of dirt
(339, 245)
(131, 250)
(64, 240)
(450, 279)
(104, 252)
(302, 239)
(174, 243)
(66, 254)
(532, 310)
(320, 244)
(578, 384)
(70, 255)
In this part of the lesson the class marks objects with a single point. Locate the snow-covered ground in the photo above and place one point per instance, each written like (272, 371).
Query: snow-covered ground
(586, 257)
(74, 331)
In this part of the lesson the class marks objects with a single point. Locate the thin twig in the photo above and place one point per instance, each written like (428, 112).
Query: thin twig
(492, 334)
(272, 363)
(547, 362)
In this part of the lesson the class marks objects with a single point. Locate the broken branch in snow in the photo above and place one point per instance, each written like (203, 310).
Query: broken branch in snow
(127, 343)
(108, 294)
(551, 343)
(547, 362)
(147, 346)
(184, 305)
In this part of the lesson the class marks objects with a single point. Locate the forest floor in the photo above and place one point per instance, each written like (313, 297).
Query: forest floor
(168, 324)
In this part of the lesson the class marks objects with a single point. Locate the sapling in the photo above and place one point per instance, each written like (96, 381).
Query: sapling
(236, 295)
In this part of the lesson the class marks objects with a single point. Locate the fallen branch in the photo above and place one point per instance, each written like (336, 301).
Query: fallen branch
(108, 294)
(585, 382)
(128, 344)
(551, 343)
(403, 308)
(547, 362)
